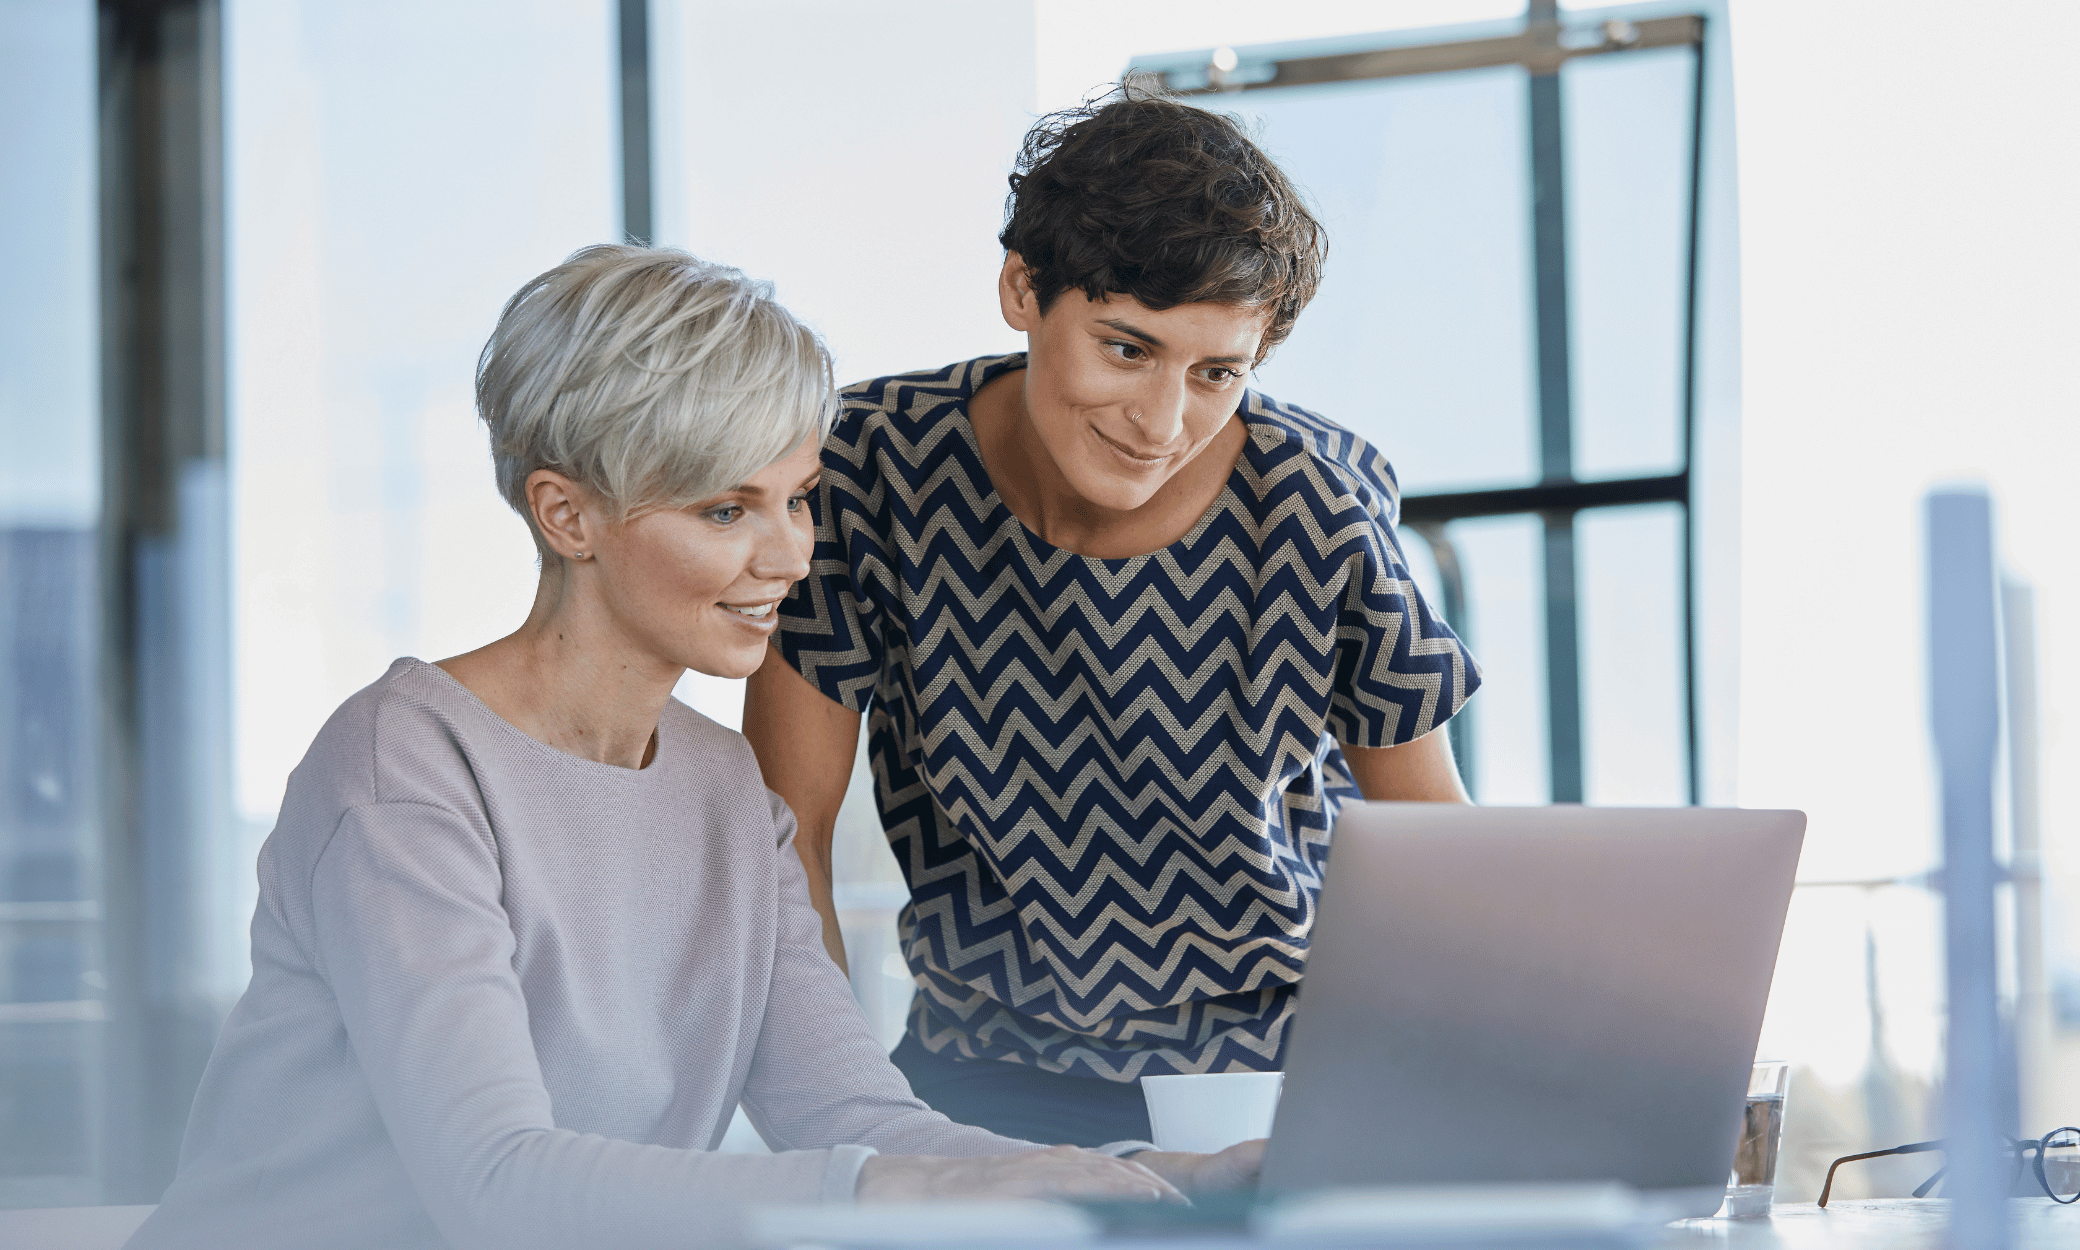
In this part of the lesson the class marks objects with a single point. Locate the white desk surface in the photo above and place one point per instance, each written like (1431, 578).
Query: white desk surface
(70, 1228)
(1887, 1223)
(1884, 1224)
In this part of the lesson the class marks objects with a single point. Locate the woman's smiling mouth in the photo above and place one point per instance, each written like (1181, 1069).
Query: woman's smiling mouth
(1135, 459)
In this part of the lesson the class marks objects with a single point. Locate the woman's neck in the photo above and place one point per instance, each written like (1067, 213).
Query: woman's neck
(571, 679)
(1037, 492)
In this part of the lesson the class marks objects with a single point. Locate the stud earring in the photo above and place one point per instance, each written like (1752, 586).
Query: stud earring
(580, 555)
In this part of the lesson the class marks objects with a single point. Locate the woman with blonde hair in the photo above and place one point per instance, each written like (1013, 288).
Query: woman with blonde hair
(530, 930)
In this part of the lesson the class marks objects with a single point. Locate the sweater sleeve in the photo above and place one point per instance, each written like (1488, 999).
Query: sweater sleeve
(818, 1077)
(412, 938)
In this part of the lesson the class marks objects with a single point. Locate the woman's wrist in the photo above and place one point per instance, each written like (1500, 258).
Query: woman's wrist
(897, 1178)
(1059, 1171)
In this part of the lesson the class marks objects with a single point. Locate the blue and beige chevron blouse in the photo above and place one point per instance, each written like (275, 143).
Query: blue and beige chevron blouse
(1110, 783)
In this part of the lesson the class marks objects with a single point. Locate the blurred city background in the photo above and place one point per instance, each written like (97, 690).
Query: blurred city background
(1665, 340)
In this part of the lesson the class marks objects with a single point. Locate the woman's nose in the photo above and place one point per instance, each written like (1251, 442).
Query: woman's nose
(783, 552)
(1162, 411)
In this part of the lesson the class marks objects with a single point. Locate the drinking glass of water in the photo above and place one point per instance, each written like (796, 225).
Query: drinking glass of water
(1754, 1181)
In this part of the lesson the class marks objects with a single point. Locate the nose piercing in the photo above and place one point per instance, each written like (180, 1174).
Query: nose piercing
(1135, 417)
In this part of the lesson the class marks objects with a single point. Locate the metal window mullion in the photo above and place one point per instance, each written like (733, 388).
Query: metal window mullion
(1563, 660)
(1555, 433)
(638, 197)
(1694, 754)
(1538, 50)
(164, 560)
(1451, 577)
(1544, 497)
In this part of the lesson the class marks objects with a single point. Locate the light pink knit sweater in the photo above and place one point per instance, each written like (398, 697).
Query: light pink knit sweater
(506, 997)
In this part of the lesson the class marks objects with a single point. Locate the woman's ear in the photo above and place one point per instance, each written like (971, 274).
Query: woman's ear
(562, 512)
(1015, 294)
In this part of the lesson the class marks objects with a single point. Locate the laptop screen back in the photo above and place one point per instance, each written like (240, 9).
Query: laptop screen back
(1533, 994)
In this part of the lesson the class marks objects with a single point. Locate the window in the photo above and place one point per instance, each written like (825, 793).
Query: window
(1513, 314)
(52, 1014)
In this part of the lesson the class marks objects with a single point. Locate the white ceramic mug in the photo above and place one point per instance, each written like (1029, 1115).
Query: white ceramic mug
(1210, 1113)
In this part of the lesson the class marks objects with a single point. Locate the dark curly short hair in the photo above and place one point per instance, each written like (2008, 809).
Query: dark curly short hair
(1138, 194)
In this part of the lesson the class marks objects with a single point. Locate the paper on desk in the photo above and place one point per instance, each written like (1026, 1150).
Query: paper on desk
(1429, 1210)
(1005, 1223)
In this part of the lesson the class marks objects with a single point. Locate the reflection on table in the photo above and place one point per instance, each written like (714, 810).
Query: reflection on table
(1891, 1223)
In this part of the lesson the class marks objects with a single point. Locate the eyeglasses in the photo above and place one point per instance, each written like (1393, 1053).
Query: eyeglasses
(2060, 1182)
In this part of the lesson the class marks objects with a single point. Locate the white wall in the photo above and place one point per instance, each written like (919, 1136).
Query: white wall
(396, 170)
(854, 155)
(49, 376)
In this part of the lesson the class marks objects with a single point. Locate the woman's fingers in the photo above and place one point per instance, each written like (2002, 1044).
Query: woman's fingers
(1163, 1189)
(1237, 1167)
(1070, 1172)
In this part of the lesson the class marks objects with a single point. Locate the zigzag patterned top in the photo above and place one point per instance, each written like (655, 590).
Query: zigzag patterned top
(1110, 782)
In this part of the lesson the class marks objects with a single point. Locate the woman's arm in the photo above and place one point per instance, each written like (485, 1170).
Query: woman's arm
(1422, 771)
(819, 1078)
(410, 934)
(805, 743)
(1057, 1172)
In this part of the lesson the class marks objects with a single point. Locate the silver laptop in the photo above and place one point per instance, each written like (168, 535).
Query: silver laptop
(1502, 995)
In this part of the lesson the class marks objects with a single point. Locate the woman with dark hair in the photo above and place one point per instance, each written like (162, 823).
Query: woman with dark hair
(1126, 632)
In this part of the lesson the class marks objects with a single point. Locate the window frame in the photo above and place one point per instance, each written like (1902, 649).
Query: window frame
(1543, 43)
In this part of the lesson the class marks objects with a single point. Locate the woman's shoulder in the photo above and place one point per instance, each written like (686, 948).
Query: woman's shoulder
(397, 739)
(1346, 470)
(898, 392)
(392, 741)
(906, 406)
(704, 735)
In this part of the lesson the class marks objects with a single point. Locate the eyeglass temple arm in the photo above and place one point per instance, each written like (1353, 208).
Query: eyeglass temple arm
(1913, 1148)
(1930, 1183)
(2020, 1148)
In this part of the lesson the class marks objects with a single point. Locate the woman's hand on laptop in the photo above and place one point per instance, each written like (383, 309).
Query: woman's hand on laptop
(1198, 1175)
(1057, 1172)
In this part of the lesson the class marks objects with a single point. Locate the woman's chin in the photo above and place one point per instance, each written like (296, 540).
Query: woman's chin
(731, 663)
(1116, 493)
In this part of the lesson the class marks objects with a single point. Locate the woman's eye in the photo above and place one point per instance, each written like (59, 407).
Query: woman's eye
(726, 515)
(796, 502)
(1222, 375)
(1127, 351)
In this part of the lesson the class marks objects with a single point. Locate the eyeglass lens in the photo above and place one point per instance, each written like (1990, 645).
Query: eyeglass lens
(2058, 1163)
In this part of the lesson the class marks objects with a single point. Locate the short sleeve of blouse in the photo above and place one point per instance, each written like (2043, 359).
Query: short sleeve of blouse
(831, 623)
(1400, 670)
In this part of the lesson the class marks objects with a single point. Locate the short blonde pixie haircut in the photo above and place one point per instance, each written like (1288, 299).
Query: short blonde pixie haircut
(649, 376)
